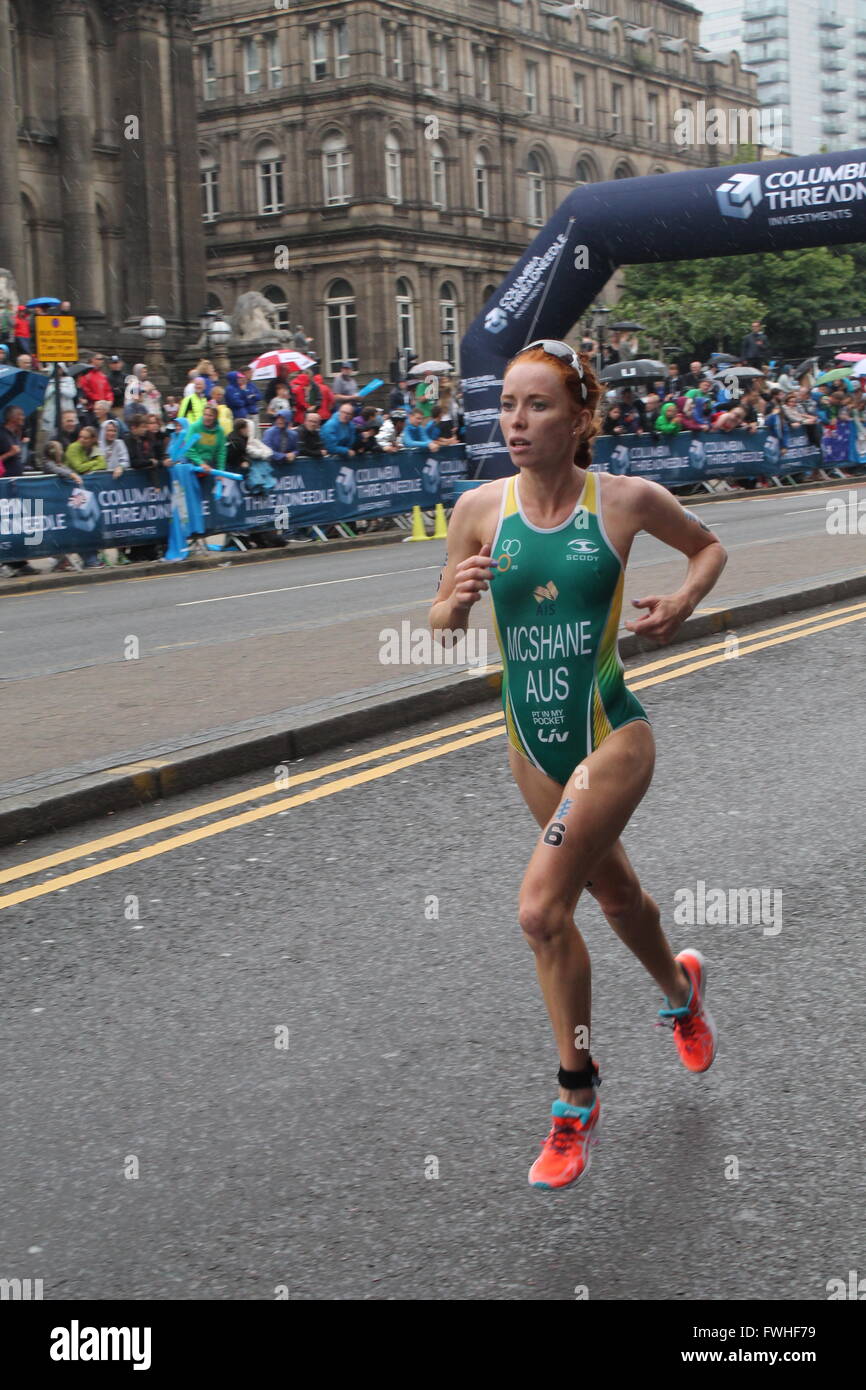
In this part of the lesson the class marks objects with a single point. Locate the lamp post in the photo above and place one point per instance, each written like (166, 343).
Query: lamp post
(599, 320)
(216, 334)
(152, 329)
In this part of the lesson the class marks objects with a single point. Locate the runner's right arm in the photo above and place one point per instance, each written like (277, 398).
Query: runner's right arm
(467, 568)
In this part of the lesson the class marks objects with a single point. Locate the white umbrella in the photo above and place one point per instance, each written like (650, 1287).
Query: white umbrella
(859, 368)
(421, 367)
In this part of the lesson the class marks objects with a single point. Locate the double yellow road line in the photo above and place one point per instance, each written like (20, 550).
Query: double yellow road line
(339, 777)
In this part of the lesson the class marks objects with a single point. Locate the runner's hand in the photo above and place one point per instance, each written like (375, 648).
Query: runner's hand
(472, 577)
(661, 622)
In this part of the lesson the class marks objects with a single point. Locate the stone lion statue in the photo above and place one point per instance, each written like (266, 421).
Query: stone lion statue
(255, 318)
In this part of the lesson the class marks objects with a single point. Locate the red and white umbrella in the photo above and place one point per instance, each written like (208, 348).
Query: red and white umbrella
(269, 364)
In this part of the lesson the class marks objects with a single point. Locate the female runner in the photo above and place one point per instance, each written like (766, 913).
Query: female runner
(553, 542)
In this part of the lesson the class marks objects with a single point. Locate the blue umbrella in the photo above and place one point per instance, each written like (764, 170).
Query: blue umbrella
(38, 303)
(26, 389)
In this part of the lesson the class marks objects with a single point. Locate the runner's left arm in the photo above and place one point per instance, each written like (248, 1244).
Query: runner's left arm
(664, 517)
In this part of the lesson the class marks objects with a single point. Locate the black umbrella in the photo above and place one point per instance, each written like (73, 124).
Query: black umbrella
(805, 366)
(722, 357)
(639, 369)
(625, 327)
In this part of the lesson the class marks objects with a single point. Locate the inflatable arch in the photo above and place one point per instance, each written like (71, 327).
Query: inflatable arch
(779, 205)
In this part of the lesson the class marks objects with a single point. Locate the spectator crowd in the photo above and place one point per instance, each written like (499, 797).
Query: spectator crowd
(102, 416)
(746, 393)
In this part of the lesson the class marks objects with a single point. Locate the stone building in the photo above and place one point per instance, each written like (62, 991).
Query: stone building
(374, 167)
(99, 200)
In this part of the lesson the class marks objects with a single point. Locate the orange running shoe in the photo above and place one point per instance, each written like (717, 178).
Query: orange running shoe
(693, 1026)
(565, 1153)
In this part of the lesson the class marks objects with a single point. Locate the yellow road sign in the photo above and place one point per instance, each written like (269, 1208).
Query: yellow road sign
(56, 337)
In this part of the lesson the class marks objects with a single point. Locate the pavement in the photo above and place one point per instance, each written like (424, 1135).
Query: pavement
(312, 676)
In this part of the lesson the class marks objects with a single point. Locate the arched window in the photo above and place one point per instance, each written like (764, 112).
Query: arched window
(214, 302)
(393, 168)
(583, 172)
(623, 170)
(210, 187)
(341, 325)
(448, 325)
(482, 183)
(337, 170)
(405, 315)
(487, 293)
(269, 165)
(535, 190)
(277, 297)
(438, 177)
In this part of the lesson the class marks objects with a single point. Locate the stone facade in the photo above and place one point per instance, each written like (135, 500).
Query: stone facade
(376, 166)
(100, 196)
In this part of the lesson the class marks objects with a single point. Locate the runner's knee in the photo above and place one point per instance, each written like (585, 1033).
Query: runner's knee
(543, 919)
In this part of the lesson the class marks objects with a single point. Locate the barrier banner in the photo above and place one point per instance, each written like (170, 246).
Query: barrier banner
(45, 515)
(692, 457)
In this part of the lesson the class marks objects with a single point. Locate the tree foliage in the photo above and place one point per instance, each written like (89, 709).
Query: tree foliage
(708, 305)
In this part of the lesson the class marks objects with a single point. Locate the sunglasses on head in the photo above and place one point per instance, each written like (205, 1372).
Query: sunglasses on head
(563, 351)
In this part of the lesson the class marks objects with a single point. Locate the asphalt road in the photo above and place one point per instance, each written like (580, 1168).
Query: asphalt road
(151, 1040)
(226, 650)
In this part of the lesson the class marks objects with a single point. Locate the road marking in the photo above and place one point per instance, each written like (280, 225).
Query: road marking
(26, 870)
(211, 808)
(317, 584)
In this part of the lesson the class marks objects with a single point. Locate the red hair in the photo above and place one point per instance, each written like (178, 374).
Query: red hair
(571, 380)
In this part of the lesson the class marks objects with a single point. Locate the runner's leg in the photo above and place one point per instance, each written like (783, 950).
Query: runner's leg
(584, 825)
(635, 918)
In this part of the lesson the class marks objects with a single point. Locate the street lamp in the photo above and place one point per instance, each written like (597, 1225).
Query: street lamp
(152, 329)
(599, 320)
(216, 333)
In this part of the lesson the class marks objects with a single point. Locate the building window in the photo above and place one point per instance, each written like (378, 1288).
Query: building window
(582, 172)
(209, 74)
(399, 56)
(341, 325)
(210, 191)
(270, 165)
(535, 180)
(439, 65)
(341, 49)
(482, 184)
(623, 171)
(278, 298)
(448, 327)
(337, 171)
(530, 88)
(275, 69)
(482, 74)
(652, 126)
(438, 186)
(579, 97)
(393, 170)
(252, 66)
(616, 108)
(318, 54)
(405, 316)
